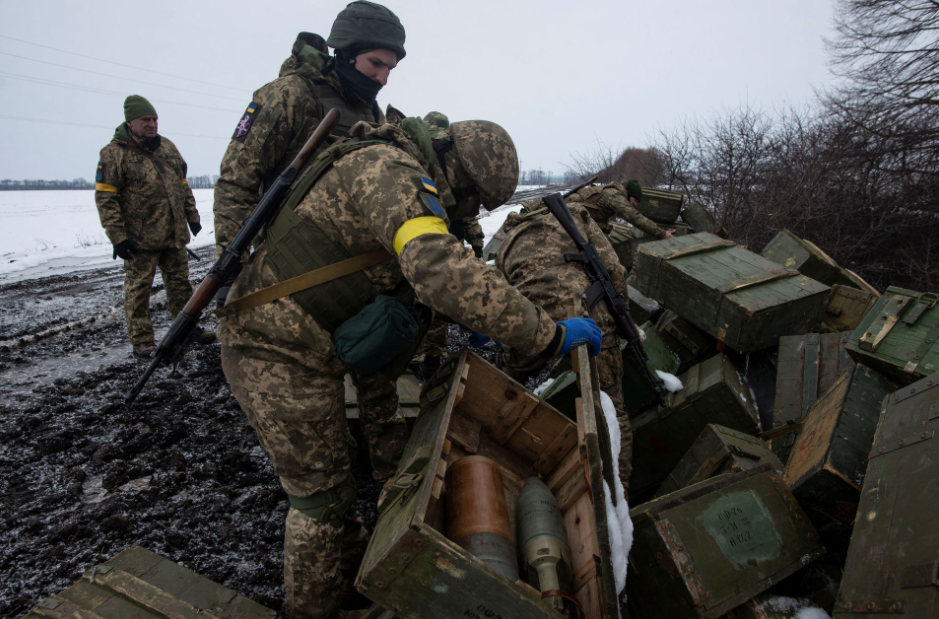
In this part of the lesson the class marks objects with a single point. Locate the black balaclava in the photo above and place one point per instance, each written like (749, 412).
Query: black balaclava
(354, 80)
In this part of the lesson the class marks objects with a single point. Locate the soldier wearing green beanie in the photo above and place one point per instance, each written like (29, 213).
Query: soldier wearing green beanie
(618, 200)
(368, 39)
(145, 206)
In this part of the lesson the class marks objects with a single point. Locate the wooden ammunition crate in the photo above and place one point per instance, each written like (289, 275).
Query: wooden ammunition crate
(790, 251)
(690, 343)
(898, 336)
(826, 467)
(659, 205)
(626, 239)
(140, 584)
(807, 366)
(469, 407)
(846, 308)
(713, 393)
(892, 567)
(702, 220)
(705, 549)
(718, 450)
(744, 300)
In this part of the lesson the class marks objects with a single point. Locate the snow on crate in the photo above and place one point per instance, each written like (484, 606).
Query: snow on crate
(672, 382)
(617, 516)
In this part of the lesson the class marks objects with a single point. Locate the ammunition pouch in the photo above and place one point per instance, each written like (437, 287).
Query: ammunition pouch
(329, 506)
(385, 330)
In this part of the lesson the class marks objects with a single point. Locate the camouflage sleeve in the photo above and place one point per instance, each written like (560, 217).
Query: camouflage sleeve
(259, 145)
(615, 201)
(474, 233)
(610, 260)
(446, 276)
(182, 168)
(109, 180)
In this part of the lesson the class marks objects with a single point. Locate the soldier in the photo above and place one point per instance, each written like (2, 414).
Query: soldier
(618, 200)
(532, 260)
(382, 202)
(145, 205)
(369, 42)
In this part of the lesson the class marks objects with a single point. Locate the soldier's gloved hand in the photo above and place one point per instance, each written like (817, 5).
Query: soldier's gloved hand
(477, 340)
(125, 249)
(222, 295)
(574, 332)
(478, 251)
(195, 226)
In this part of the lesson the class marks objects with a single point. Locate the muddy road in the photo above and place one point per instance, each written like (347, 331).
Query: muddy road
(82, 476)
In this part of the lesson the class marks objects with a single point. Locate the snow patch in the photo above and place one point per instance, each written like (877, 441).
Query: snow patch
(620, 524)
(544, 387)
(672, 383)
(783, 604)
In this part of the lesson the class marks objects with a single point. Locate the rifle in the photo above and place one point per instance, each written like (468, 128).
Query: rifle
(229, 263)
(601, 286)
(192, 254)
(589, 181)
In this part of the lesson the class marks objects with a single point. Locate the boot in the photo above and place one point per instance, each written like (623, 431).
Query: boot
(143, 351)
(202, 337)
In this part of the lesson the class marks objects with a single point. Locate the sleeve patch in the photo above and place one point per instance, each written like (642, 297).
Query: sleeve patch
(247, 121)
(429, 185)
(99, 173)
(433, 205)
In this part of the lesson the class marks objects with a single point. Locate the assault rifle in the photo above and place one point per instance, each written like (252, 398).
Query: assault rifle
(182, 330)
(601, 286)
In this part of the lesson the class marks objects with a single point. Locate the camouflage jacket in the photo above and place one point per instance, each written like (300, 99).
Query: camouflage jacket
(532, 259)
(380, 197)
(609, 201)
(142, 195)
(281, 116)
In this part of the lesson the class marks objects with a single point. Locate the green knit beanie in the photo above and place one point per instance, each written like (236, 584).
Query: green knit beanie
(136, 106)
(634, 189)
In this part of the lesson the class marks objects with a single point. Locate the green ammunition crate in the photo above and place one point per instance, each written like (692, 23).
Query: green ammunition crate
(892, 565)
(641, 307)
(471, 408)
(807, 366)
(659, 205)
(846, 308)
(898, 336)
(713, 393)
(806, 257)
(702, 220)
(826, 467)
(140, 584)
(626, 239)
(744, 300)
(718, 450)
(706, 549)
(690, 343)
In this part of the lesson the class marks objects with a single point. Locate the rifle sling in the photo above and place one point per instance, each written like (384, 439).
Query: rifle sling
(302, 282)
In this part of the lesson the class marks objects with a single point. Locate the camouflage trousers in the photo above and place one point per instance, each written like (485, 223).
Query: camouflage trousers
(610, 370)
(299, 416)
(138, 281)
(382, 422)
(435, 341)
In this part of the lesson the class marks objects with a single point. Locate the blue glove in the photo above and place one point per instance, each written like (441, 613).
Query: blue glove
(477, 340)
(579, 331)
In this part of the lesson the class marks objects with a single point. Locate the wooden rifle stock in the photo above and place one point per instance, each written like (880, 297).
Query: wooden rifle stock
(228, 264)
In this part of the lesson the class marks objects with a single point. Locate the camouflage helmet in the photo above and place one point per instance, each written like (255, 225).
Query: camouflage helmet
(487, 154)
(437, 124)
(367, 25)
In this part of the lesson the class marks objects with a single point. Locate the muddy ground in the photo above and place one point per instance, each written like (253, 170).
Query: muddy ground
(82, 476)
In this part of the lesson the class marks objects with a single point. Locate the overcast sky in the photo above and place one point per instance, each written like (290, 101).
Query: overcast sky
(557, 74)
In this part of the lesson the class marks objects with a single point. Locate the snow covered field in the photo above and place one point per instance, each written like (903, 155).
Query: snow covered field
(53, 232)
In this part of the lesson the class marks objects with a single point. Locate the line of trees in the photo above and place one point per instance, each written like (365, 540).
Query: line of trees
(205, 181)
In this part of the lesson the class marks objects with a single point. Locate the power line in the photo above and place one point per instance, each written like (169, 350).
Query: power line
(55, 64)
(63, 122)
(120, 64)
(45, 82)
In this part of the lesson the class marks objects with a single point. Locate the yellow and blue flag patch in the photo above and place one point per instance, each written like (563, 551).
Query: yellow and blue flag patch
(429, 185)
(99, 174)
(247, 121)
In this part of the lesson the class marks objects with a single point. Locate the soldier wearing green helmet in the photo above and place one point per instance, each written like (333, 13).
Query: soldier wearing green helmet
(383, 200)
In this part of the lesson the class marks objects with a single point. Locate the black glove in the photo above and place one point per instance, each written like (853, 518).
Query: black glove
(125, 249)
(478, 251)
(195, 226)
(458, 229)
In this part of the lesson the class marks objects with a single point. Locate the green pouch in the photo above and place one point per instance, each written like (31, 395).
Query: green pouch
(376, 335)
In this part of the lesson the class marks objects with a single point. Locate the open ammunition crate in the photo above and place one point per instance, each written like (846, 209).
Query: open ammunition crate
(140, 584)
(468, 408)
(659, 205)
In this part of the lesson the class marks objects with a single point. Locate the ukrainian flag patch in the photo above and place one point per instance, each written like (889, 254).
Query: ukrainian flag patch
(433, 205)
(429, 185)
(99, 174)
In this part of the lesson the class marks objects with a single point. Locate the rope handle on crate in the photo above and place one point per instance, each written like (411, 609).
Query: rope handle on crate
(566, 596)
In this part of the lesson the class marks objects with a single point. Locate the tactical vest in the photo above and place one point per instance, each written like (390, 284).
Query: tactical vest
(328, 98)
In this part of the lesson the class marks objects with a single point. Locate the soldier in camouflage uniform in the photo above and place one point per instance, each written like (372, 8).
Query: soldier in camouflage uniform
(617, 200)
(369, 41)
(388, 196)
(532, 260)
(145, 205)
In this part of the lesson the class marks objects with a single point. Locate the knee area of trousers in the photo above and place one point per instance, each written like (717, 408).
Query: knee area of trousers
(330, 506)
